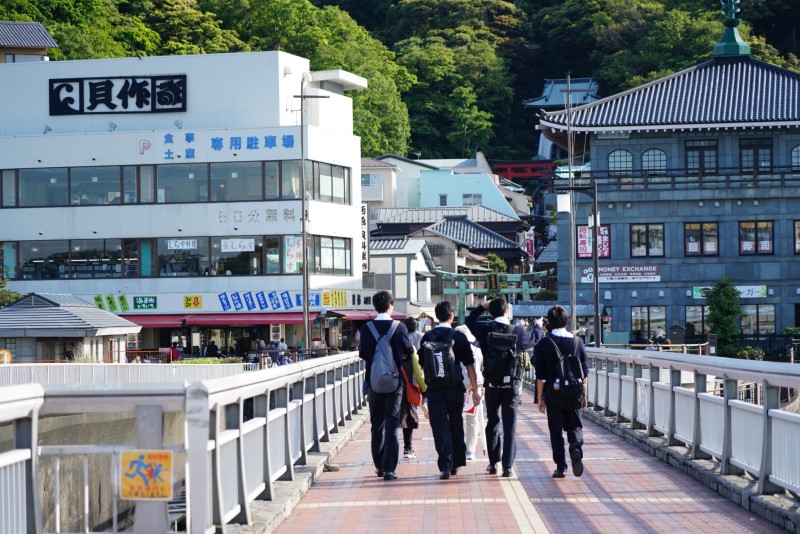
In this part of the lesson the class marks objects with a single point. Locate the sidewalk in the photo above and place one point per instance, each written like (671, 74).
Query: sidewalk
(622, 490)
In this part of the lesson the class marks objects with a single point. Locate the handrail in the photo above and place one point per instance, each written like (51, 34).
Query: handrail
(242, 433)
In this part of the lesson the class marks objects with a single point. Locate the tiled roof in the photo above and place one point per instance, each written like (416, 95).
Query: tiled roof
(720, 93)
(477, 213)
(549, 254)
(372, 163)
(395, 245)
(584, 90)
(462, 230)
(51, 315)
(25, 35)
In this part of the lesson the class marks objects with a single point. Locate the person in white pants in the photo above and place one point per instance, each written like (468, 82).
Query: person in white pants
(473, 419)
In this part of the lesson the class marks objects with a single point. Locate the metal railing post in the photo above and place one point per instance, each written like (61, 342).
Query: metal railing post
(637, 374)
(674, 381)
(609, 367)
(655, 376)
(622, 370)
(697, 433)
(26, 437)
(234, 421)
(729, 393)
(198, 477)
(771, 396)
(150, 516)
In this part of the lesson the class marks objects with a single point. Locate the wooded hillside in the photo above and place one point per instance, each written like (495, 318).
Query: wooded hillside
(446, 77)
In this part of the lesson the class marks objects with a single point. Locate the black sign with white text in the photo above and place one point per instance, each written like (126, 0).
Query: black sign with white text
(130, 94)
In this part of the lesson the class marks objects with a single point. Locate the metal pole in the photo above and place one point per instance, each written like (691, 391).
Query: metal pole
(572, 304)
(304, 210)
(596, 267)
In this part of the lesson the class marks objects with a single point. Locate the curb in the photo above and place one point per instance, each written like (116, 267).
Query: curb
(287, 494)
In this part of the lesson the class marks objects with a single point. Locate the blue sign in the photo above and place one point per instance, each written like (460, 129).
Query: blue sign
(314, 299)
(224, 302)
(237, 301)
(262, 301)
(249, 302)
(287, 300)
(273, 299)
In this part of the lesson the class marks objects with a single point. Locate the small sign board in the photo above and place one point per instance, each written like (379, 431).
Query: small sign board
(146, 475)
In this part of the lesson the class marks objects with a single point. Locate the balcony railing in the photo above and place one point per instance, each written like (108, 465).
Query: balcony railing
(724, 178)
(372, 193)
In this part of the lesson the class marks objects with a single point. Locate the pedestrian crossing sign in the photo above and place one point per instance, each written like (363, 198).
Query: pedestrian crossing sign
(145, 475)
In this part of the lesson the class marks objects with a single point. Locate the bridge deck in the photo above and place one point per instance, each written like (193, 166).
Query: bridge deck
(622, 490)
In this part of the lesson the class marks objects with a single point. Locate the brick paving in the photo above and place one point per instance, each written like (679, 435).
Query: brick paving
(623, 489)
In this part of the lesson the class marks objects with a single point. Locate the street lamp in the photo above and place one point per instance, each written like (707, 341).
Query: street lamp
(592, 192)
(306, 77)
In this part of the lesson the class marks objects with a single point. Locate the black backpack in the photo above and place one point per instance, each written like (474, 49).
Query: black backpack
(501, 363)
(439, 361)
(570, 394)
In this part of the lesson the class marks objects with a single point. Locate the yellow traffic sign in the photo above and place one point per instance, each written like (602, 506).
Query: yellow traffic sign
(146, 475)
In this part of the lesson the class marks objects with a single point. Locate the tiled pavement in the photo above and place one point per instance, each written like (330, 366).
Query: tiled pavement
(622, 490)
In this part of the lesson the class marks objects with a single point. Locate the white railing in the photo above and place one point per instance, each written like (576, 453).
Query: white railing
(102, 373)
(243, 433)
(667, 394)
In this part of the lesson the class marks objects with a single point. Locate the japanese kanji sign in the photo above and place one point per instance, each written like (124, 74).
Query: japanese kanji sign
(131, 94)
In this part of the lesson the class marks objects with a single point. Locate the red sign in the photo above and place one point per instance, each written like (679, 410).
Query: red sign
(603, 241)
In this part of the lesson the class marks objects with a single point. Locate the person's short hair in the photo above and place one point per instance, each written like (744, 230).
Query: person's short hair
(444, 310)
(557, 317)
(411, 323)
(382, 300)
(498, 307)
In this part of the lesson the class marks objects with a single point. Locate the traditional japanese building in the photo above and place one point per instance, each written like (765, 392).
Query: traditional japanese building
(698, 177)
(169, 190)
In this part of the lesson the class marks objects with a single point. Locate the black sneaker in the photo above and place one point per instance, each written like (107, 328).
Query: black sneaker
(507, 472)
(492, 469)
(559, 472)
(576, 457)
(379, 472)
(445, 475)
(454, 471)
(388, 475)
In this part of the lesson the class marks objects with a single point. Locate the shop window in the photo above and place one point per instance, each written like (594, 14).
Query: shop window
(755, 238)
(757, 319)
(696, 317)
(184, 256)
(272, 255)
(94, 186)
(332, 255)
(293, 254)
(95, 258)
(701, 239)
(272, 180)
(183, 182)
(648, 323)
(237, 181)
(701, 157)
(620, 163)
(43, 187)
(238, 256)
(290, 179)
(647, 240)
(43, 260)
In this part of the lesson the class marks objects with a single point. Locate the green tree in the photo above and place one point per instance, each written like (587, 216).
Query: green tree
(724, 312)
(497, 265)
(186, 29)
(6, 296)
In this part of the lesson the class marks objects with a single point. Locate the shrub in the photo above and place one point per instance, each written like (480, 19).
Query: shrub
(751, 353)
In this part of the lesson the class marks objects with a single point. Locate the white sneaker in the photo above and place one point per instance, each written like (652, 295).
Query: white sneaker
(470, 455)
(409, 454)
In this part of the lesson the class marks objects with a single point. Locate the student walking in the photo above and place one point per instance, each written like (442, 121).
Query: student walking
(384, 343)
(561, 372)
(501, 345)
(443, 350)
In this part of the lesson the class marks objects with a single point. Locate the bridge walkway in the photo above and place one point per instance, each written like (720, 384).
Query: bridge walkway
(623, 489)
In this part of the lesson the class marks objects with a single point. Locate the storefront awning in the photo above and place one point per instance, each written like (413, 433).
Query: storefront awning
(156, 321)
(363, 315)
(248, 318)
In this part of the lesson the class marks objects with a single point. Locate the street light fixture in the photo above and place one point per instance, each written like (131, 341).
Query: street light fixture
(591, 191)
(306, 77)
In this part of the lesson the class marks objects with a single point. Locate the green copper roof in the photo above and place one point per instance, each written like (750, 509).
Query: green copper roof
(731, 44)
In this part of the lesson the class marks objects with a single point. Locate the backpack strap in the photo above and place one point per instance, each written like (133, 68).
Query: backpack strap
(374, 331)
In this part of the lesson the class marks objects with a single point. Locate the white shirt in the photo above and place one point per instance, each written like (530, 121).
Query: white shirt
(562, 332)
(383, 317)
(503, 320)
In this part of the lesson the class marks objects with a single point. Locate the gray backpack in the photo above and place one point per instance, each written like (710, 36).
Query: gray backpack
(384, 377)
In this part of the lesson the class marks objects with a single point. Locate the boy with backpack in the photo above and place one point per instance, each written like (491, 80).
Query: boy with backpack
(501, 345)
(561, 371)
(443, 351)
(383, 344)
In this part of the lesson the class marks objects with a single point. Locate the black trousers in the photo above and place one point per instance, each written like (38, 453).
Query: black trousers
(446, 407)
(501, 403)
(384, 416)
(558, 421)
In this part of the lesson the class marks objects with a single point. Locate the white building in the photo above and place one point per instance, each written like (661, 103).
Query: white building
(139, 184)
